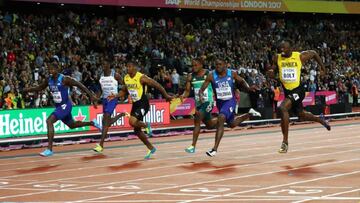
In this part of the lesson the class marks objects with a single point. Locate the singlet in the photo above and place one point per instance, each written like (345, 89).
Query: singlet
(197, 82)
(59, 92)
(224, 86)
(134, 86)
(109, 85)
(290, 70)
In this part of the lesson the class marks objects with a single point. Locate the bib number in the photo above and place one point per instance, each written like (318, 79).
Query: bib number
(224, 93)
(134, 95)
(57, 97)
(205, 95)
(289, 74)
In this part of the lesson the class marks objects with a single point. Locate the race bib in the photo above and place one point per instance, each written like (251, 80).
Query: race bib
(224, 93)
(289, 74)
(56, 97)
(134, 95)
(205, 95)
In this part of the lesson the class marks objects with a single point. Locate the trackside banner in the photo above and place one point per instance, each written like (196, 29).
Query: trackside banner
(27, 122)
(318, 6)
(31, 122)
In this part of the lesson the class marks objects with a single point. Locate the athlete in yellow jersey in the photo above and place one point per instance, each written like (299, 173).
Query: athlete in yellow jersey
(135, 85)
(289, 64)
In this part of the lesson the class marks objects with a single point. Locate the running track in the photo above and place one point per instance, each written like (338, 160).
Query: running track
(320, 166)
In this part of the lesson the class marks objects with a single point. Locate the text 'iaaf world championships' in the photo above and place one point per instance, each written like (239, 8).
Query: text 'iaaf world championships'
(234, 4)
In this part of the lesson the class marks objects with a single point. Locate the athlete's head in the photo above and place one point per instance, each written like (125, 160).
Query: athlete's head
(197, 64)
(285, 48)
(106, 65)
(220, 65)
(131, 68)
(54, 68)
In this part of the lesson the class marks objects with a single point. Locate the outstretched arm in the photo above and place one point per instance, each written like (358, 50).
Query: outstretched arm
(206, 83)
(309, 54)
(69, 81)
(271, 73)
(40, 87)
(187, 87)
(148, 81)
(245, 86)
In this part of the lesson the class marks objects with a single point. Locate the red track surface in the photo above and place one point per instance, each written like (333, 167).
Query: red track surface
(320, 166)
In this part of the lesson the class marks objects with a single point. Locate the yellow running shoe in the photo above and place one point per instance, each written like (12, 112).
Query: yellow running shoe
(98, 148)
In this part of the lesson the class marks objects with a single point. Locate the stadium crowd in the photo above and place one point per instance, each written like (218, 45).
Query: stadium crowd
(164, 47)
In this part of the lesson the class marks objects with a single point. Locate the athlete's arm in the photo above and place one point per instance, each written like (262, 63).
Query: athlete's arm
(69, 81)
(309, 54)
(271, 73)
(40, 87)
(148, 81)
(187, 87)
(245, 86)
(123, 92)
(206, 83)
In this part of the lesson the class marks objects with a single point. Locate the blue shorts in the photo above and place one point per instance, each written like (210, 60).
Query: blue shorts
(109, 106)
(63, 112)
(227, 108)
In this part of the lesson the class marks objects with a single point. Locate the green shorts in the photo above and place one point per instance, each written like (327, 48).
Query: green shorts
(205, 109)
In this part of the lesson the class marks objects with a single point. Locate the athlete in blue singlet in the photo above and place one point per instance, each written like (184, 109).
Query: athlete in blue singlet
(223, 81)
(59, 87)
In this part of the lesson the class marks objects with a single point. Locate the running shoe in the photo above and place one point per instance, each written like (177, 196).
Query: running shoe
(149, 153)
(98, 148)
(326, 123)
(211, 153)
(253, 112)
(148, 129)
(284, 147)
(97, 124)
(46, 153)
(190, 149)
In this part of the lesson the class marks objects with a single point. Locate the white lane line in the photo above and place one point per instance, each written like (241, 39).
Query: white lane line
(172, 158)
(331, 196)
(183, 164)
(326, 187)
(291, 183)
(232, 178)
(72, 178)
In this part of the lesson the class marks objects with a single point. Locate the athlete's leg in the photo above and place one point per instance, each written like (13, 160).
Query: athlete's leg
(50, 130)
(284, 114)
(220, 130)
(79, 124)
(134, 122)
(239, 119)
(307, 116)
(197, 127)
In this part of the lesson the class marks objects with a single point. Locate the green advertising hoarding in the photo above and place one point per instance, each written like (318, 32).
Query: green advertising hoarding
(29, 122)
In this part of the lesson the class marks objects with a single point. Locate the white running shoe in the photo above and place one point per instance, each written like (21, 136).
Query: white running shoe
(211, 153)
(254, 113)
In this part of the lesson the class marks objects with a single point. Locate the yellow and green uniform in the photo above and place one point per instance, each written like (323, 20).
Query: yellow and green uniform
(290, 77)
(290, 70)
(137, 92)
(208, 104)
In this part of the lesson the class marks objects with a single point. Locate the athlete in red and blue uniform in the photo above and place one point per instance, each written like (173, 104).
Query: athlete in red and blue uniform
(60, 87)
(223, 81)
